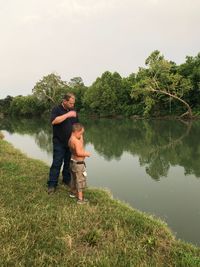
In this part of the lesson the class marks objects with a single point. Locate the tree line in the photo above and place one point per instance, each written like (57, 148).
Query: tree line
(161, 88)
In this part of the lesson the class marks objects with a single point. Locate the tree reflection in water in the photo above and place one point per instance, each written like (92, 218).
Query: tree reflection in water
(159, 144)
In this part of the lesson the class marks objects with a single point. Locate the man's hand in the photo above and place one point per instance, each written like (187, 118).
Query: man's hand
(63, 117)
(71, 114)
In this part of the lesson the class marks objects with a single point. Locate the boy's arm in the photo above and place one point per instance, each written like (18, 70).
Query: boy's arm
(80, 152)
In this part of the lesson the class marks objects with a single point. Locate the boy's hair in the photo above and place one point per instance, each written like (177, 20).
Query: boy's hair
(68, 96)
(77, 127)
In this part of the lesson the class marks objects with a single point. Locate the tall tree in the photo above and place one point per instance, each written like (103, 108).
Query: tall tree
(100, 97)
(50, 89)
(5, 104)
(191, 70)
(76, 85)
(109, 95)
(161, 82)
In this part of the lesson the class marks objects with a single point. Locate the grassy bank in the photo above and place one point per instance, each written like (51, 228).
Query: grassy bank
(37, 229)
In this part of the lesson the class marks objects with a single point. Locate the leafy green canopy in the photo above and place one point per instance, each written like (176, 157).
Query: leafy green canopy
(159, 83)
(108, 95)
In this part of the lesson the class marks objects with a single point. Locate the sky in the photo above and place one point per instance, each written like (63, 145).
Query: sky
(88, 37)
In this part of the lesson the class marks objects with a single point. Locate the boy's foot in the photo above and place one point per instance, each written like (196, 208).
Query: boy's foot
(72, 195)
(82, 201)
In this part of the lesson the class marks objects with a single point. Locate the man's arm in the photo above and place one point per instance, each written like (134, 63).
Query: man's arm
(63, 117)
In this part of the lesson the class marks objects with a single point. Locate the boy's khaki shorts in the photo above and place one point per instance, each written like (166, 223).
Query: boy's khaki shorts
(78, 177)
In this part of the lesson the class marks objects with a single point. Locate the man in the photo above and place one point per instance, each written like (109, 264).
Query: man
(62, 119)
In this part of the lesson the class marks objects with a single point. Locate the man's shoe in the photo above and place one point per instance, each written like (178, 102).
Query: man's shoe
(51, 190)
(65, 184)
(72, 195)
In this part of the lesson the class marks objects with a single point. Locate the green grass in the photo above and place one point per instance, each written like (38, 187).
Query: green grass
(37, 229)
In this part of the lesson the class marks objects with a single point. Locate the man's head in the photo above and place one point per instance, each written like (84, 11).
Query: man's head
(77, 130)
(68, 101)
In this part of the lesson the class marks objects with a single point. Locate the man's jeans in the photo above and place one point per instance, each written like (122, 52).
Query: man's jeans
(61, 153)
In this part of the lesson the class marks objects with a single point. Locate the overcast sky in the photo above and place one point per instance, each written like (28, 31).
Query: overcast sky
(87, 37)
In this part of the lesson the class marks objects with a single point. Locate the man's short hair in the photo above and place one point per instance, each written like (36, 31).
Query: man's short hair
(68, 96)
(77, 127)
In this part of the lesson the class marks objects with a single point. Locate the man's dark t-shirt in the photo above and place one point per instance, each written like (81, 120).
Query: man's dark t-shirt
(62, 131)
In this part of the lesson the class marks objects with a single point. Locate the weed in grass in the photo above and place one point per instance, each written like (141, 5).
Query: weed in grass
(92, 237)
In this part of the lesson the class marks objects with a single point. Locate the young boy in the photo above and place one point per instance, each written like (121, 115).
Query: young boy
(77, 164)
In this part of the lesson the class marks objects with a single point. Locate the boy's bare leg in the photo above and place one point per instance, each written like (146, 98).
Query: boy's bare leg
(80, 195)
(81, 199)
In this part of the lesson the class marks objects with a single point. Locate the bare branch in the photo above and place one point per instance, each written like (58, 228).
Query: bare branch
(176, 97)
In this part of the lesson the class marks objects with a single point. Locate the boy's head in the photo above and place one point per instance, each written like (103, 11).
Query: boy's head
(77, 129)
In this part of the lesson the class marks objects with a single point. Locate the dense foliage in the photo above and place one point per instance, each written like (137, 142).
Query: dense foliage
(160, 84)
(161, 88)
(109, 95)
